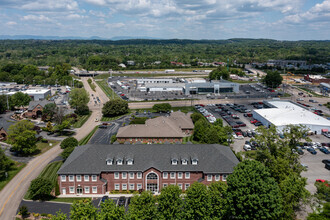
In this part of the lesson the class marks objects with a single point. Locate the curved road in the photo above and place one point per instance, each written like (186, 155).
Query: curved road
(12, 194)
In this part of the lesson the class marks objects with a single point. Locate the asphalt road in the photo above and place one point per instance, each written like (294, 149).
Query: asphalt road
(12, 194)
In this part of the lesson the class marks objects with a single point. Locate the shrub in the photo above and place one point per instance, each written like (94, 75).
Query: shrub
(113, 138)
(164, 107)
(82, 110)
(66, 153)
(69, 142)
(40, 189)
(23, 210)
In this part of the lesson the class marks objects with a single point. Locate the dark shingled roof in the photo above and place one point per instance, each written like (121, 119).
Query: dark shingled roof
(33, 104)
(5, 124)
(91, 159)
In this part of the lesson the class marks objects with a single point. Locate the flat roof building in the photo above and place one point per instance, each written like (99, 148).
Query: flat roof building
(35, 94)
(214, 86)
(154, 80)
(283, 113)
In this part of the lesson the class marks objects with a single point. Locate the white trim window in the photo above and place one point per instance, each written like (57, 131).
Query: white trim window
(172, 175)
(131, 186)
(78, 178)
(117, 186)
(138, 186)
(94, 189)
(131, 175)
(165, 175)
(71, 189)
(63, 178)
(224, 177)
(186, 186)
(71, 178)
(119, 162)
(165, 184)
(124, 186)
(184, 162)
(139, 175)
(180, 175)
(180, 185)
(209, 177)
(187, 175)
(86, 178)
(86, 189)
(217, 177)
(116, 175)
(94, 178)
(123, 175)
(194, 162)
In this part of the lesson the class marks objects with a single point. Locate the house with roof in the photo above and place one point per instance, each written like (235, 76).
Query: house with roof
(35, 108)
(162, 129)
(4, 127)
(100, 169)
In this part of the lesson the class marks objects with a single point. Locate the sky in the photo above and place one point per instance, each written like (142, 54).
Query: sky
(168, 19)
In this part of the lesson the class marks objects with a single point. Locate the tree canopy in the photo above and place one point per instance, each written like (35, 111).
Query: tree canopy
(78, 97)
(273, 79)
(115, 107)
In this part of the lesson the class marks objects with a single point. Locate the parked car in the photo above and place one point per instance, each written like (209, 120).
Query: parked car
(104, 198)
(311, 150)
(324, 150)
(246, 147)
(103, 126)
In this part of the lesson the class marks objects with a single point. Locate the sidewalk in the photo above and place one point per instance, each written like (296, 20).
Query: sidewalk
(96, 195)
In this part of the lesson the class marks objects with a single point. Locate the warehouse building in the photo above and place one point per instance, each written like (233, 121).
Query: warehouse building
(155, 80)
(162, 87)
(35, 94)
(283, 113)
(214, 86)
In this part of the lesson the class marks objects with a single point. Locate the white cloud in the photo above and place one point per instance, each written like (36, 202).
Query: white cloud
(36, 18)
(11, 23)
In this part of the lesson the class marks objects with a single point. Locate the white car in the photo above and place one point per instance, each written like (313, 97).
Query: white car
(247, 147)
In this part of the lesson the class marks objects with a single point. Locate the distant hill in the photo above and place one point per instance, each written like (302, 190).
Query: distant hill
(38, 37)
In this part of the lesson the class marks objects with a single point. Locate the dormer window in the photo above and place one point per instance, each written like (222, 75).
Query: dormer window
(129, 161)
(119, 162)
(184, 162)
(174, 162)
(194, 162)
(109, 162)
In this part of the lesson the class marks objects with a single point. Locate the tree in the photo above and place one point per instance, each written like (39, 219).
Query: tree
(66, 153)
(197, 202)
(217, 191)
(20, 99)
(3, 103)
(82, 110)
(49, 109)
(59, 115)
(40, 189)
(252, 192)
(83, 209)
(273, 79)
(143, 206)
(163, 107)
(78, 97)
(170, 204)
(109, 211)
(196, 116)
(22, 137)
(219, 73)
(59, 216)
(199, 130)
(5, 164)
(49, 126)
(69, 142)
(115, 107)
(218, 122)
(66, 124)
(211, 135)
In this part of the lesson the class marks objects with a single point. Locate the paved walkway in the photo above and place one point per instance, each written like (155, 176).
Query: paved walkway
(11, 196)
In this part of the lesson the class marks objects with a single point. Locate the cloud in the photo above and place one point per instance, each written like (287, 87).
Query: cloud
(40, 5)
(36, 18)
(11, 23)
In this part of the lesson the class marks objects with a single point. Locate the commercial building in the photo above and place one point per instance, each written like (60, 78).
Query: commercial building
(162, 129)
(325, 88)
(316, 79)
(100, 169)
(214, 86)
(283, 113)
(286, 63)
(162, 87)
(35, 94)
(154, 81)
(36, 107)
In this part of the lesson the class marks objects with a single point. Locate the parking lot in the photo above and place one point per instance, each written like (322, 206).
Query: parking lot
(127, 90)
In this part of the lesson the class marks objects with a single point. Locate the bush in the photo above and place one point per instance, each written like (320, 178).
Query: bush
(23, 210)
(66, 153)
(82, 110)
(164, 107)
(69, 142)
(40, 189)
(44, 140)
(115, 108)
(196, 116)
(113, 138)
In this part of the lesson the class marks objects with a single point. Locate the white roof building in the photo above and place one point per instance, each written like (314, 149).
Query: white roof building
(283, 113)
(36, 94)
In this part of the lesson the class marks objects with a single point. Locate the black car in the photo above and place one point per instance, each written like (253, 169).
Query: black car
(324, 150)
(103, 126)
(311, 150)
(121, 201)
(326, 161)
(244, 133)
(104, 198)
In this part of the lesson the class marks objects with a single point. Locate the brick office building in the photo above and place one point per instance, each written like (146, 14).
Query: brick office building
(98, 169)
(36, 107)
(162, 129)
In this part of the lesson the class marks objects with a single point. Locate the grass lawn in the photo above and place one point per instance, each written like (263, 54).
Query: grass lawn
(81, 120)
(113, 118)
(43, 147)
(107, 90)
(311, 92)
(242, 81)
(184, 109)
(138, 120)
(88, 137)
(11, 173)
(49, 173)
(68, 200)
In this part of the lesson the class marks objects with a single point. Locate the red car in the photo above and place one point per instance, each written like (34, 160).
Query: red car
(202, 105)
(254, 121)
(322, 181)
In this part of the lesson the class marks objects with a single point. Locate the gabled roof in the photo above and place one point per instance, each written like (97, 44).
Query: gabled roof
(34, 104)
(91, 159)
(5, 124)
